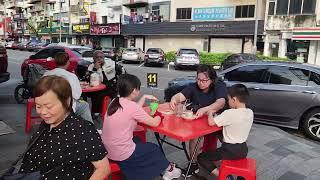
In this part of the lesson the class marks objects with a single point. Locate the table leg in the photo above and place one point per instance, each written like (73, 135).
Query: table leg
(185, 150)
(159, 141)
(192, 157)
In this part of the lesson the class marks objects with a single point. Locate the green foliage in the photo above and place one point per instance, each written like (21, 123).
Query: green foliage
(270, 58)
(170, 56)
(214, 59)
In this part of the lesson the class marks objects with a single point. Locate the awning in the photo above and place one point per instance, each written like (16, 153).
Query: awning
(310, 33)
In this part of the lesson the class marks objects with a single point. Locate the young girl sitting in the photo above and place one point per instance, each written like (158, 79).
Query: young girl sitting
(138, 161)
(236, 123)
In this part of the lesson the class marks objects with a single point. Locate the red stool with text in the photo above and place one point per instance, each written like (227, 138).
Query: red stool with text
(243, 167)
(139, 131)
(116, 173)
(30, 120)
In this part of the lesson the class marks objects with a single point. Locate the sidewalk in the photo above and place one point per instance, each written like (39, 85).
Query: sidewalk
(279, 155)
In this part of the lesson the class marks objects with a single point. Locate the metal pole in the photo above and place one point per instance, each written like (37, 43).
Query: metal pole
(60, 21)
(254, 49)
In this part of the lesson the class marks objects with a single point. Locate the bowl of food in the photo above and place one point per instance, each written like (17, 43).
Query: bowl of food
(188, 115)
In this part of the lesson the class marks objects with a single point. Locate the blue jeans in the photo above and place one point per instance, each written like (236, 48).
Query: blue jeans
(83, 110)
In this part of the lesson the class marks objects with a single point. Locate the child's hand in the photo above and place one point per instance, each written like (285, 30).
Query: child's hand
(147, 96)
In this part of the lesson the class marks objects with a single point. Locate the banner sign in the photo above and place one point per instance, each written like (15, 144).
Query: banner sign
(213, 13)
(108, 29)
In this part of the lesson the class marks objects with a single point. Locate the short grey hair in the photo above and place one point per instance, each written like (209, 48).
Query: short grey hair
(96, 52)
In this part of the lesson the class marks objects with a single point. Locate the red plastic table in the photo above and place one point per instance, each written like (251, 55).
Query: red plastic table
(94, 88)
(181, 129)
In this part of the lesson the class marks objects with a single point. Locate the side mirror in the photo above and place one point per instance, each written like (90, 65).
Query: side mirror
(49, 59)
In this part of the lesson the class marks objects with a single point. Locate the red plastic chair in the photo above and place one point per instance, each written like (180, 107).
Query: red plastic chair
(116, 173)
(30, 120)
(139, 131)
(209, 143)
(243, 167)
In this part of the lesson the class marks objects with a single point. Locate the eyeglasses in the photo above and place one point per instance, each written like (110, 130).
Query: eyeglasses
(203, 80)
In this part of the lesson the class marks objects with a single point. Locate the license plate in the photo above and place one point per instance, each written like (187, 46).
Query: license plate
(153, 56)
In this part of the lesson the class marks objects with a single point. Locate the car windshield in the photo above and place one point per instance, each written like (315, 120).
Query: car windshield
(76, 52)
(108, 50)
(153, 51)
(188, 51)
(131, 50)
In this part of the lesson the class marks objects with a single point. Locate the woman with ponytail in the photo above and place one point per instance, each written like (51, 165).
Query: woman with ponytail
(138, 161)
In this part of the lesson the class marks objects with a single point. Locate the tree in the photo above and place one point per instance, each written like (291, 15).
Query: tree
(35, 26)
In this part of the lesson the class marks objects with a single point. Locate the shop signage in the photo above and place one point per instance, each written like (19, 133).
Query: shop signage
(93, 17)
(108, 29)
(152, 80)
(213, 13)
(207, 27)
(81, 28)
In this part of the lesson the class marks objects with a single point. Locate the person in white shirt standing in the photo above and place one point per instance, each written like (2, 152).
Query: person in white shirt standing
(236, 123)
(81, 108)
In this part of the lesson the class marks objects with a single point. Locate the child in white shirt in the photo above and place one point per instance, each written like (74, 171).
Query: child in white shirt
(236, 123)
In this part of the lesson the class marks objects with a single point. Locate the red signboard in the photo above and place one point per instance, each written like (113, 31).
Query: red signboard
(109, 29)
(93, 18)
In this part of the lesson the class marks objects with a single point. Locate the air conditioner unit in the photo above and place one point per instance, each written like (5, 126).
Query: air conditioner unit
(110, 14)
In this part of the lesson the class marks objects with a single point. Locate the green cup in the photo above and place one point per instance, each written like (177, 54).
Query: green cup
(153, 106)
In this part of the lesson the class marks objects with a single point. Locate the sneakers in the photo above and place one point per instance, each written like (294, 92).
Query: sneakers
(194, 168)
(171, 172)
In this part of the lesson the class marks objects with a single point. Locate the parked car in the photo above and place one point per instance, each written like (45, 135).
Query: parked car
(281, 94)
(45, 57)
(187, 57)
(9, 44)
(40, 45)
(32, 45)
(14, 45)
(4, 75)
(23, 45)
(132, 54)
(154, 56)
(112, 53)
(235, 59)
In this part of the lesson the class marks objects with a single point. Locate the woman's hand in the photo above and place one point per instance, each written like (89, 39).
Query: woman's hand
(201, 112)
(147, 96)
(97, 64)
(173, 103)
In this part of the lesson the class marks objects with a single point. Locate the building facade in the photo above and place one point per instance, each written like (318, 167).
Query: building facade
(209, 25)
(292, 29)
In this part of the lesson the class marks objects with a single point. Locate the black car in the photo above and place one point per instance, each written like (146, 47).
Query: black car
(281, 94)
(112, 53)
(154, 56)
(235, 59)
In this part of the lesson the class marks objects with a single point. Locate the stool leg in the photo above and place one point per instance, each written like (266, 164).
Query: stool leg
(28, 117)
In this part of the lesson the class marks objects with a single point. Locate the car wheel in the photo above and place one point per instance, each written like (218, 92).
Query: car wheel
(176, 67)
(21, 93)
(311, 124)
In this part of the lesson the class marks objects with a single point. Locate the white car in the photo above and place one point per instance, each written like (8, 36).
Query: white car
(9, 44)
(187, 57)
(133, 54)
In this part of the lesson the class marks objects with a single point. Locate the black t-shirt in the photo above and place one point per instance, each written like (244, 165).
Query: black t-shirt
(201, 99)
(66, 151)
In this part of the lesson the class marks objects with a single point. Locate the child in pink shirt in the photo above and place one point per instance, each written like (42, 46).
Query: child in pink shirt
(137, 160)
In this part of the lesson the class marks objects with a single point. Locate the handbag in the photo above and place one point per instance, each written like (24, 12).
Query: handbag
(13, 172)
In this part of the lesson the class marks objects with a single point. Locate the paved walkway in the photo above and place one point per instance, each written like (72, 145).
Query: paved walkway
(279, 155)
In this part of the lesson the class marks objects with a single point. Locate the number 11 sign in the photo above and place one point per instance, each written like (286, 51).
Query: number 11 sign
(152, 80)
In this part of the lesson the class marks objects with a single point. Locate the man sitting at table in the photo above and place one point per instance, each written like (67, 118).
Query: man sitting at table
(207, 94)
(80, 107)
(236, 123)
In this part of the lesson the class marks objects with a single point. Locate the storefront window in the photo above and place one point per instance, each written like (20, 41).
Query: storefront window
(272, 5)
(309, 6)
(295, 6)
(282, 7)
(246, 11)
(184, 13)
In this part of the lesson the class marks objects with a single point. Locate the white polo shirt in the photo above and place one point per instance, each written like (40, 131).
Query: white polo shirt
(236, 124)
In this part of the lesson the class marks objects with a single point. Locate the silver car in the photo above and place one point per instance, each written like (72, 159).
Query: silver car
(133, 54)
(281, 94)
(187, 57)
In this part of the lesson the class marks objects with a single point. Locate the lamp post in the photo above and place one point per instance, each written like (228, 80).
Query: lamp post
(254, 49)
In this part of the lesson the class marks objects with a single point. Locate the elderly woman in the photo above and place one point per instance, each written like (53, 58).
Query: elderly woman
(66, 146)
(106, 68)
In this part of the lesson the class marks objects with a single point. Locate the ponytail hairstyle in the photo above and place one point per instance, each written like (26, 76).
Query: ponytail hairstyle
(125, 86)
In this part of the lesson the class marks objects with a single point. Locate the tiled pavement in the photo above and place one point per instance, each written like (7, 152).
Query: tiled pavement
(279, 155)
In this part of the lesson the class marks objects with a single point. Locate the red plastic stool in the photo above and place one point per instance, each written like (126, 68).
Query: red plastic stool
(243, 167)
(116, 173)
(104, 108)
(29, 118)
(209, 143)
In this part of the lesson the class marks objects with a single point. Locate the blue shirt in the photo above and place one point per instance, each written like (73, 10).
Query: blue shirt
(200, 99)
